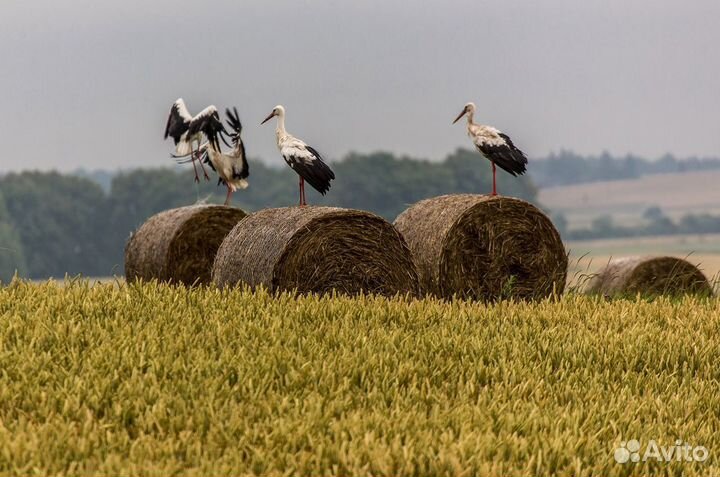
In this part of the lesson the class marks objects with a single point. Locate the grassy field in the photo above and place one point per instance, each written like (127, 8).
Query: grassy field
(153, 380)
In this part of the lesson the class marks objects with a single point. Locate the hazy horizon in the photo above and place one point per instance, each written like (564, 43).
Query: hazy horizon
(281, 164)
(88, 85)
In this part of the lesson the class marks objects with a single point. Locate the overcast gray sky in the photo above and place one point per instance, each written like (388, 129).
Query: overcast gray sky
(89, 83)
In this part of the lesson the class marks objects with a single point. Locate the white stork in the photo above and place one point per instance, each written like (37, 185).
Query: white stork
(187, 130)
(494, 145)
(232, 168)
(301, 158)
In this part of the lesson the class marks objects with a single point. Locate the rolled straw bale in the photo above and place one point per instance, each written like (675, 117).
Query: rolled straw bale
(179, 245)
(316, 250)
(484, 248)
(650, 276)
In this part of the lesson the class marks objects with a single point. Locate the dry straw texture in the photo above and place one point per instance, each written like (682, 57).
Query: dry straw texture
(650, 276)
(316, 250)
(179, 245)
(482, 247)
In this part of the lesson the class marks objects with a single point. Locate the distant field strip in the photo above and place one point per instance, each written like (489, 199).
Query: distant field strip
(626, 200)
(153, 380)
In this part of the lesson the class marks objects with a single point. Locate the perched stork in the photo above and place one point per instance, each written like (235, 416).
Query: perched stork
(301, 158)
(232, 168)
(494, 145)
(187, 131)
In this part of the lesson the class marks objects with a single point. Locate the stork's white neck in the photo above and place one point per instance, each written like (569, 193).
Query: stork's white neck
(470, 115)
(280, 128)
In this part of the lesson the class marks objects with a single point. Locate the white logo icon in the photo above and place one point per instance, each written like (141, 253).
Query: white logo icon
(628, 451)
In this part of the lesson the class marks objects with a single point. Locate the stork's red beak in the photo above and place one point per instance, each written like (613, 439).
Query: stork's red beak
(268, 118)
(462, 113)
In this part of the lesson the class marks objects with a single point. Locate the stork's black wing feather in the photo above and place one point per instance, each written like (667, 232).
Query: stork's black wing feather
(202, 121)
(209, 124)
(233, 121)
(176, 124)
(330, 174)
(314, 171)
(244, 171)
(506, 156)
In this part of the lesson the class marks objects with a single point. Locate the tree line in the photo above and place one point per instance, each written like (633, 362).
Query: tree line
(567, 167)
(52, 224)
(55, 224)
(655, 223)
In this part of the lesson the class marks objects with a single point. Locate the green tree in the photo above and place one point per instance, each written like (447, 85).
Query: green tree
(12, 258)
(68, 224)
(385, 185)
(653, 213)
(60, 222)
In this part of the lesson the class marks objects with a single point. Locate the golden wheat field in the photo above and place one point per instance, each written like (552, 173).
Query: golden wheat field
(147, 379)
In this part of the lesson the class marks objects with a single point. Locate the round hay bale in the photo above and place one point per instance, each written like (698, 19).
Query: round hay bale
(484, 248)
(179, 245)
(317, 250)
(650, 276)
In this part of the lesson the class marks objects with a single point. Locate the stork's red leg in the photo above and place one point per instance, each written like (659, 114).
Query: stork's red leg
(228, 196)
(192, 156)
(207, 177)
(494, 192)
(302, 192)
